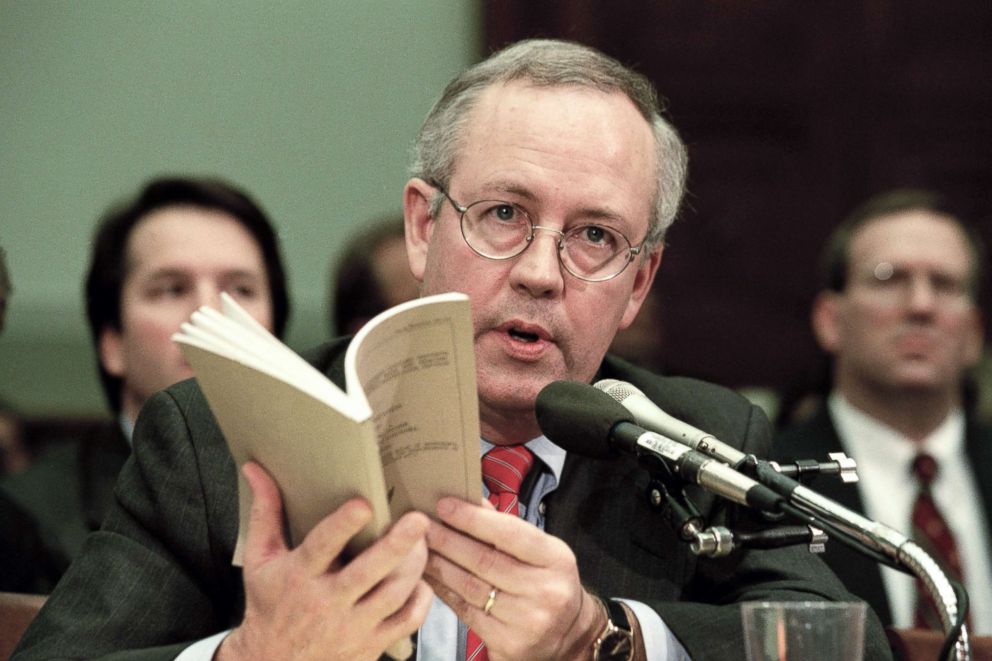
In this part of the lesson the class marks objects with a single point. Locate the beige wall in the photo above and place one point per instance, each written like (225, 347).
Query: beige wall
(311, 106)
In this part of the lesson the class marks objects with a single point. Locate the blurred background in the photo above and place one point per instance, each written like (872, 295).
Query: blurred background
(793, 113)
(309, 106)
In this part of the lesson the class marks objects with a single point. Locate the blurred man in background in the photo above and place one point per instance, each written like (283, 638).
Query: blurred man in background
(26, 564)
(173, 248)
(14, 456)
(373, 275)
(899, 317)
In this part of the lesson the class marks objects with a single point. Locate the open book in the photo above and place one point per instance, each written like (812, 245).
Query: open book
(403, 433)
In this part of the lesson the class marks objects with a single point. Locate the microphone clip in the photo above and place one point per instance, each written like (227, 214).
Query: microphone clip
(804, 470)
(666, 489)
(717, 541)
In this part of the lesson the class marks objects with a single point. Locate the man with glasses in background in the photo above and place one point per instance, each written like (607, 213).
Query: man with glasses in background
(900, 320)
(543, 183)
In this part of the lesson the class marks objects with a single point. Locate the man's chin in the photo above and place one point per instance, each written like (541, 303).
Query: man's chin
(510, 395)
(922, 381)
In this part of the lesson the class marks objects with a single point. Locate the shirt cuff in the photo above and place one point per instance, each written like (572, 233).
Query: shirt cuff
(659, 641)
(204, 650)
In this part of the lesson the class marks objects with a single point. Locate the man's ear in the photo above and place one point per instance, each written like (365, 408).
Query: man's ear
(112, 351)
(825, 320)
(642, 285)
(975, 343)
(419, 224)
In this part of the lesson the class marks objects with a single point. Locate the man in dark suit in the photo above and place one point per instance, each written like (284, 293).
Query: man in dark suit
(543, 183)
(899, 317)
(156, 258)
(26, 564)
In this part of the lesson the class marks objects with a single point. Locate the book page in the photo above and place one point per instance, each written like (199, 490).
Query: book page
(284, 414)
(415, 364)
(253, 346)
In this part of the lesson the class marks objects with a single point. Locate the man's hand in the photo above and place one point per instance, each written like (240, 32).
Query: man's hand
(305, 603)
(540, 610)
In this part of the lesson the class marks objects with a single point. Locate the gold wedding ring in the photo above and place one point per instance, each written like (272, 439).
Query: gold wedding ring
(490, 601)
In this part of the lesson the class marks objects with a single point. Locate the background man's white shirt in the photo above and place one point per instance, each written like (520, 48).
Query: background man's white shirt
(888, 490)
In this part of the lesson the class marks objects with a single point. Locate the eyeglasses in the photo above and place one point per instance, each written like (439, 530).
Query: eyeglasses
(500, 230)
(895, 285)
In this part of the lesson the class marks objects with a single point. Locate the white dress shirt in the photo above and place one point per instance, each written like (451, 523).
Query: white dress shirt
(888, 490)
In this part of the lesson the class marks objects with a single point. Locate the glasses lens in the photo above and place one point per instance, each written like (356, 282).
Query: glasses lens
(496, 229)
(595, 252)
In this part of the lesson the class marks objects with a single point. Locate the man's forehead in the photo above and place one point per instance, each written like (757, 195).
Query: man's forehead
(914, 234)
(509, 97)
(518, 132)
(182, 236)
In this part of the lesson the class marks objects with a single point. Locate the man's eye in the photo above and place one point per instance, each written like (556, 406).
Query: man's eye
(947, 286)
(167, 290)
(890, 278)
(504, 212)
(244, 291)
(595, 235)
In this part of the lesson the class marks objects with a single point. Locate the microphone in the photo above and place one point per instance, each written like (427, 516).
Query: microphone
(649, 415)
(782, 494)
(589, 422)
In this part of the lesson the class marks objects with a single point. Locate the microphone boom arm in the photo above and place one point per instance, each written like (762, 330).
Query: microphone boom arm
(863, 534)
(596, 420)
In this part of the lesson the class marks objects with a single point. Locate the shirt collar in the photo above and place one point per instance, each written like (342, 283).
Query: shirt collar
(552, 455)
(873, 441)
(127, 427)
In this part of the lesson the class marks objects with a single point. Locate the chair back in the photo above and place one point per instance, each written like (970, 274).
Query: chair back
(16, 612)
(924, 645)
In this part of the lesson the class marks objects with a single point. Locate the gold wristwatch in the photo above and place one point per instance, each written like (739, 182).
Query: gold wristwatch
(616, 642)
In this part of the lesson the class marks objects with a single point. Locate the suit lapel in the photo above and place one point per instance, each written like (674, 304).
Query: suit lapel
(978, 441)
(858, 572)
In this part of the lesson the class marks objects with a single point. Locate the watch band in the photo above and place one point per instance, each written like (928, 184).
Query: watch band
(616, 642)
(617, 614)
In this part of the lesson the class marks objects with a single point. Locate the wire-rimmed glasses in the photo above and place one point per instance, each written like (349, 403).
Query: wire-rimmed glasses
(499, 230)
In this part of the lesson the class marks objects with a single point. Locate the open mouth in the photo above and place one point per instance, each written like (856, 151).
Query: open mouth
(522, 336)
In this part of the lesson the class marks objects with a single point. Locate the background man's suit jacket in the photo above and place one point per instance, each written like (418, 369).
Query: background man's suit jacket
(158, 575)
(70, 487)
(816, 437)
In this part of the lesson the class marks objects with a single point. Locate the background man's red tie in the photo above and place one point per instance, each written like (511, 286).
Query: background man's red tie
(931, 532)
(503, 471)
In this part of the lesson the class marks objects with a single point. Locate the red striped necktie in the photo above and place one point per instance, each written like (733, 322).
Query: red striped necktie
(931, 532)
(503, 471)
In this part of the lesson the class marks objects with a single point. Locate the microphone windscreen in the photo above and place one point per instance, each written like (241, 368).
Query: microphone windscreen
(579, 418)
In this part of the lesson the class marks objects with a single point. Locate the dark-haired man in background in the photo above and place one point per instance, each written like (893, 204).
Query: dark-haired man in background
(156, 258)
(899, 317)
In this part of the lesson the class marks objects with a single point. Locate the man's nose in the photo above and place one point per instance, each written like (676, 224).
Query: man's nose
(921, 295)
(208, 293)
(538, 268)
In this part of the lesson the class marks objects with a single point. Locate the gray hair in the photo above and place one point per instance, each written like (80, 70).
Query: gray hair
(551, 63)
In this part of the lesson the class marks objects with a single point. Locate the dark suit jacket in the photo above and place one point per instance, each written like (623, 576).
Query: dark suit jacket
(158, 575)
(815, 438)
(70, 487)
(26, 563)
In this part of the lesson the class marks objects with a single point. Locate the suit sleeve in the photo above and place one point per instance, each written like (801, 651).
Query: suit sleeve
(157, 575)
